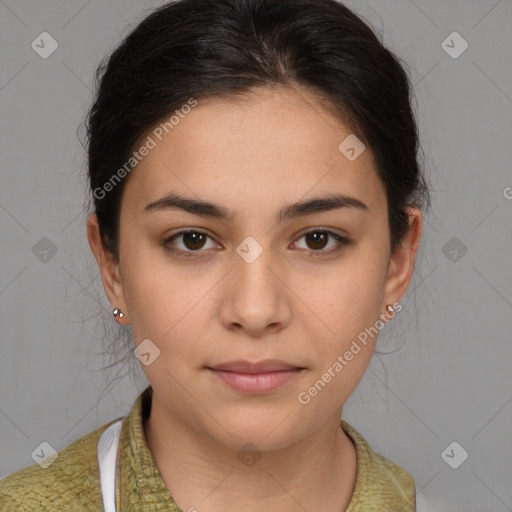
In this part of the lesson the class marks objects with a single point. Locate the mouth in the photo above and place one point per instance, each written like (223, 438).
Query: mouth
(255, 378)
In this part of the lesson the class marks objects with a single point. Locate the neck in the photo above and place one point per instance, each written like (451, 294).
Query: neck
(314, 473)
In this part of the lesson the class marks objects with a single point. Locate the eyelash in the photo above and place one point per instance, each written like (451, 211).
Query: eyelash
(343, 242)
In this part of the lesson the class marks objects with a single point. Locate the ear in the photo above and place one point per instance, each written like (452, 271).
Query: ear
(109, 268)
(401, 265)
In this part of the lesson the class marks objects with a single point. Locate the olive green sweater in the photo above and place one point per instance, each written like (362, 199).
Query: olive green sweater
(71, 482)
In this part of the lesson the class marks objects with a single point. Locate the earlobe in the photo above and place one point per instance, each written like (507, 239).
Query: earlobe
(109, 268)
(402, 262)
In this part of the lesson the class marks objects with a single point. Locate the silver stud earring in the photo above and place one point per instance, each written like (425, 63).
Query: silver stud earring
(117, 312)
(390, 309)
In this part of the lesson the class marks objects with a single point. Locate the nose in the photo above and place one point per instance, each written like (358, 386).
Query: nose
(255, 298)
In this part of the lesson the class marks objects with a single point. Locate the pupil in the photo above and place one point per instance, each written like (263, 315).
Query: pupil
(318, 236)
(194, 237)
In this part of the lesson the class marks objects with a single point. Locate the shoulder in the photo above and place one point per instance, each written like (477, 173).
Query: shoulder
(381, 481)
(390, 477)
(70, 482)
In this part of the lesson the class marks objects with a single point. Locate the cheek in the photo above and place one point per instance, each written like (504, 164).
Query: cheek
(343, 353)
(349, 304)
(349, 299)
(167, 305)
(171, 315)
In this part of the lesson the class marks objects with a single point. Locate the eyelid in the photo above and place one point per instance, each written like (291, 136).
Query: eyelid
(321, 228)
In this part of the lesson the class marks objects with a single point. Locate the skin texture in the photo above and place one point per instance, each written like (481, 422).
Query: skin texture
(276, 147)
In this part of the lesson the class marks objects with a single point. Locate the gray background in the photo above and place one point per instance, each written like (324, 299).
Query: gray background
(451, 381)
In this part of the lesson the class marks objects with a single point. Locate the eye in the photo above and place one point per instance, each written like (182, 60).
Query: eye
(318, 239)
(193, 241)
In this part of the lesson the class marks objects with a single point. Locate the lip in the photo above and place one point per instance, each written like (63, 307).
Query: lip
(264, 366)
(255, 377)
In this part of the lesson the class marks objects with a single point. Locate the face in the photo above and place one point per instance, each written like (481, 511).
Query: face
(263, 281)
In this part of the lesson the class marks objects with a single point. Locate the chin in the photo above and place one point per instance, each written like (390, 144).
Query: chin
(270, 431)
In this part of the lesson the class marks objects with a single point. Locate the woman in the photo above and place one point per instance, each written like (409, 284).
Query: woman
(257, 213)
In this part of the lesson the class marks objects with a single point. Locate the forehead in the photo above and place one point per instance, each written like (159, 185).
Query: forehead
(271, 145)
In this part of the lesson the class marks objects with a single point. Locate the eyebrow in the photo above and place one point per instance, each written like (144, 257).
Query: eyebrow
(290, 211)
